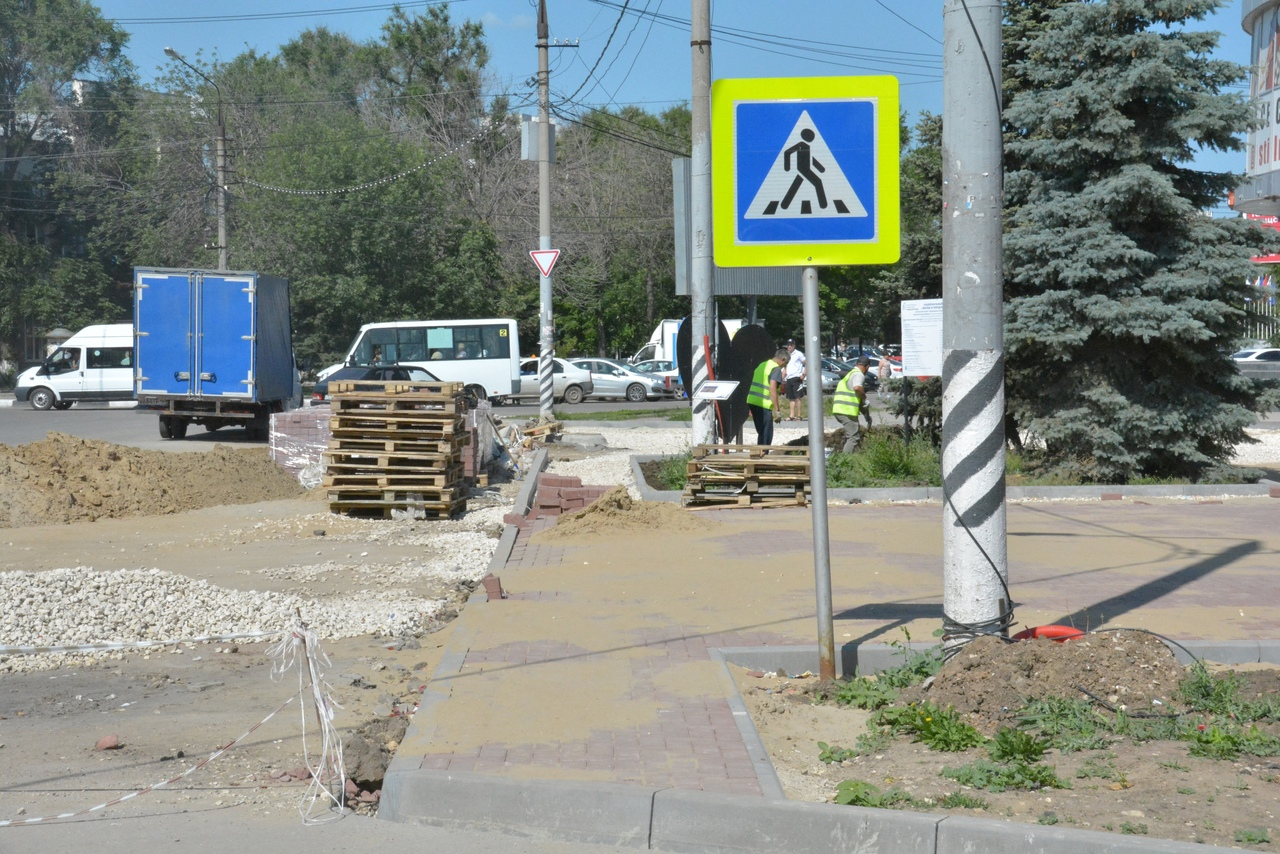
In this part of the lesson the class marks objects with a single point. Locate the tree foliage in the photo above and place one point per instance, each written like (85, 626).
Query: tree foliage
(1123, 297)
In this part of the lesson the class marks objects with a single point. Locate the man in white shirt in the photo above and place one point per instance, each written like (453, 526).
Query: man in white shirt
(794, 377)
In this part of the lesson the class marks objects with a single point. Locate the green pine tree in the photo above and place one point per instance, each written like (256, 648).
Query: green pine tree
(1123, 297)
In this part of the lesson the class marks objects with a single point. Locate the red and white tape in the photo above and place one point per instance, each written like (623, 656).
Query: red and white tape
(212, 756)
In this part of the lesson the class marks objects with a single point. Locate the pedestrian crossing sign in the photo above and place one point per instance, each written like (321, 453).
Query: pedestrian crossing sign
(804, 171)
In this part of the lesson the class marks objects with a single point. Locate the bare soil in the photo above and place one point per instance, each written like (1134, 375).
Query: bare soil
(172, 707)
(1153, 788)
(64, 479)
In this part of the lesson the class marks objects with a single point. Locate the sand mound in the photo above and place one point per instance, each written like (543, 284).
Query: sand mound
(617, 513)
(64, 479)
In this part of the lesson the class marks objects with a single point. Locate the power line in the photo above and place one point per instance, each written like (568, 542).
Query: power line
(605, 50)
(270, 16)
(910, 24)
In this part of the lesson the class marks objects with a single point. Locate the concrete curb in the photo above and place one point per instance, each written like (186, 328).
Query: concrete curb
(523, 504)
(1014, 493)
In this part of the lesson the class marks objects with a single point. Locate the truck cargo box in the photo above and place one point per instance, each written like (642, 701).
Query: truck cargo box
(205, 334)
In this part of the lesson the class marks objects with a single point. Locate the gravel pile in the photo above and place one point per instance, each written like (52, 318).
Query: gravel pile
(80, 606)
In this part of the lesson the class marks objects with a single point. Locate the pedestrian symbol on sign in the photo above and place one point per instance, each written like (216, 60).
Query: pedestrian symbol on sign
(805, 180)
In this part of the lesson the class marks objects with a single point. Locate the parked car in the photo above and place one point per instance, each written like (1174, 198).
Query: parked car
(1264, 354)
(665, 369)
(568, 382)
(839, 367)
(378, 373)
(614, 379)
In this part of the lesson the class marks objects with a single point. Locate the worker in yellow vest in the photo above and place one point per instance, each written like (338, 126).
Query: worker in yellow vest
(762, 396)
(849, 401)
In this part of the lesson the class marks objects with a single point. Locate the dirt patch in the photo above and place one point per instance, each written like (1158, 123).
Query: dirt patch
(64, 479)
(990, 680)
(616, 513)
(1154, 787)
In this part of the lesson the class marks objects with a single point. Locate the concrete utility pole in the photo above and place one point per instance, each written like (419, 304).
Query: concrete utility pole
(220, 160)
(546, 325)
(703, 310)
(974, 543)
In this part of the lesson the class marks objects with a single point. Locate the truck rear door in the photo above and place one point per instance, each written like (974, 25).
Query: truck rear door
(165, 319)
(226, 344)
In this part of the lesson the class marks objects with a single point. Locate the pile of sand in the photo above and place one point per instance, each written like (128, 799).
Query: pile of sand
(64, 479)
(617, 513)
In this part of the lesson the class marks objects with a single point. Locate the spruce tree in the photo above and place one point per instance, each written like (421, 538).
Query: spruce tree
(1123, 297)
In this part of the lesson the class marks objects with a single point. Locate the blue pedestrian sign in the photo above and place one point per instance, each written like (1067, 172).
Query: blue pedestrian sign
(805, 171)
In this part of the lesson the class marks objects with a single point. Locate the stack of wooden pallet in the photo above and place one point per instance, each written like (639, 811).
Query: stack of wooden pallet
(747, 476)
(396, 450)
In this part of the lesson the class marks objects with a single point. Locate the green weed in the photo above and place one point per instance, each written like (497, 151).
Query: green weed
(1174, 766)
(1253, 836)
(994, 777)
(859, 794)
(884, 459)
(1048, 818)
(1014, 745)
(1186, 790)
(960, 800)
(1104, 770)
(1134, 829)
(829, 754)
(1069, 725)
(673, 471)
(939, 729)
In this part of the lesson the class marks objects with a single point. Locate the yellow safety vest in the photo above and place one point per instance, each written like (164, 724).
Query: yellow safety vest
(846, 400)
(758, 394)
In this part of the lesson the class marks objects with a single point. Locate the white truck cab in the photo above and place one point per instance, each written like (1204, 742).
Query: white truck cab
(94, 364)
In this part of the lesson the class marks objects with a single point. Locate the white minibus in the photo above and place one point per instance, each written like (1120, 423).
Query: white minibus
(483, 355)
(94, 364)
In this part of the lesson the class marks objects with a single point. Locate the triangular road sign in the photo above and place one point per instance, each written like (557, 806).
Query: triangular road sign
(805, 181)
(545, 259)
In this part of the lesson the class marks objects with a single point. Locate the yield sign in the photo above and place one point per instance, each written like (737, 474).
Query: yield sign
(545, 259)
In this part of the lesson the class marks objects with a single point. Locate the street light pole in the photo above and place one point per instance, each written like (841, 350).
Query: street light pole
(220, 160)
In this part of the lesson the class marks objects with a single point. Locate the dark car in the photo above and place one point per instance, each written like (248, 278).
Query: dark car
(376, 373)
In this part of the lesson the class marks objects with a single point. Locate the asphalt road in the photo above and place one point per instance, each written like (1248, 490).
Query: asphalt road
(20, 424)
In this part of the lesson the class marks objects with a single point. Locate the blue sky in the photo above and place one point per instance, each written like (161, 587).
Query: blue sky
(637, 59)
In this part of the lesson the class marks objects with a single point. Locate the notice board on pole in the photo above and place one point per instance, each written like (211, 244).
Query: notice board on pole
(922, 338)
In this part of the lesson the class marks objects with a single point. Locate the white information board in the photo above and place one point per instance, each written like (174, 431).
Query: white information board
(922, 338)
(715, 390)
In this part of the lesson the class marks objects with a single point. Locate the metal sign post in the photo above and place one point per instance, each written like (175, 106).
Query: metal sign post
(805, 174)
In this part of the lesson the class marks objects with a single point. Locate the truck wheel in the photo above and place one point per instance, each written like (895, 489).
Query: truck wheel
(63, 404)
(41, 398)
(166, 427)
(179, 428)
(573, 394)
(635, 392)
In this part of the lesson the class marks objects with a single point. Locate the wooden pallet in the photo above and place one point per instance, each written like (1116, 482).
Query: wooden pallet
(369, 508)
(746, 476)
(378, 447)
(336, 460)
(413, 481)
(752, 451)
(369, 390)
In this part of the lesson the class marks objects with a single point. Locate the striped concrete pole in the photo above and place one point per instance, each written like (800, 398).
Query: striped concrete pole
(546, 326)
(974, 554)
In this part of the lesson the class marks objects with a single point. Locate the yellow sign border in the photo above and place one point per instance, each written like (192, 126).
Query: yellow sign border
(728, 252)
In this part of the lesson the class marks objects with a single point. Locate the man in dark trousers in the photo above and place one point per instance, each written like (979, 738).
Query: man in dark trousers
(762, 396)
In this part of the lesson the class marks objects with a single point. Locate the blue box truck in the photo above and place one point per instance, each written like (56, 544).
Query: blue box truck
(213, 348)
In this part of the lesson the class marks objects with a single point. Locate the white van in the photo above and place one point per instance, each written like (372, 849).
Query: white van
(94, 364)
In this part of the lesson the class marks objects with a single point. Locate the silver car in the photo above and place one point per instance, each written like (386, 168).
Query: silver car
(614, 379)
(568, 382)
